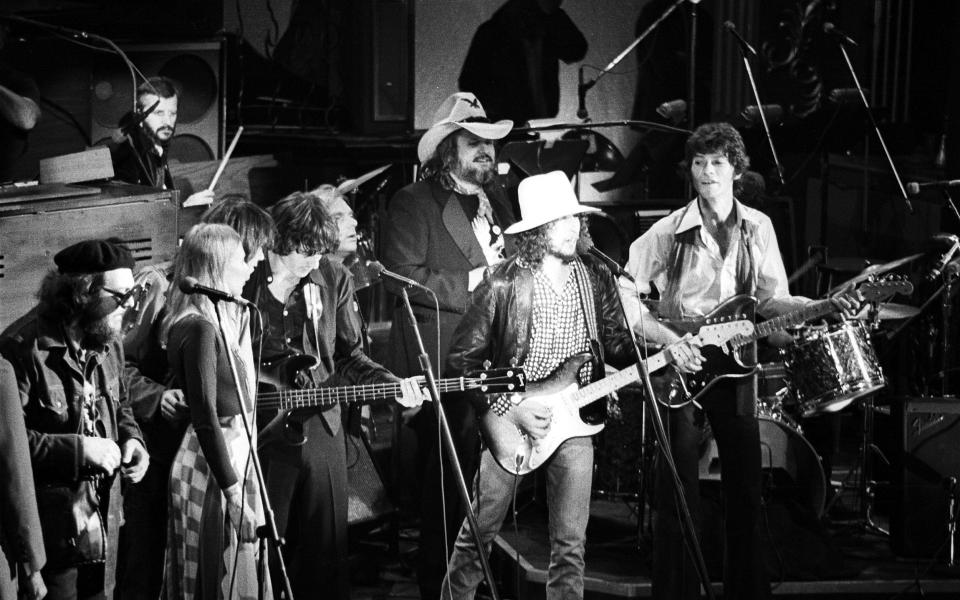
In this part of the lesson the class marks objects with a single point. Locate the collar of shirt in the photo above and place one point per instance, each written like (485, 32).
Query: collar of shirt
(691, 216)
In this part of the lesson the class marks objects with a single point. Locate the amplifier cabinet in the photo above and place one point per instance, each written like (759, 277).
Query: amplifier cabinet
(930, 429)
(31, 233)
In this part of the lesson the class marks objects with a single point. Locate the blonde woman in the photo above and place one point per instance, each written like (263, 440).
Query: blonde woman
(214, 502)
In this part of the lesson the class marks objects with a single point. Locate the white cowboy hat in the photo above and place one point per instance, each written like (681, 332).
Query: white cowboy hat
(461, 110)
(545, 198)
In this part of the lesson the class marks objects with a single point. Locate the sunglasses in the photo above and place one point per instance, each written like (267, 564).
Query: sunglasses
(122, 298)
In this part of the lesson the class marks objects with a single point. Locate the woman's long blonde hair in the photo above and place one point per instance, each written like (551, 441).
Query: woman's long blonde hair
(203, 255)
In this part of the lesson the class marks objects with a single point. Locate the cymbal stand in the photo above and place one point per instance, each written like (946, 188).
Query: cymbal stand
(862, 470)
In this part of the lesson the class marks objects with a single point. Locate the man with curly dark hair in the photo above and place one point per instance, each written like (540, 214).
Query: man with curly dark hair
(698, 256)
(545, 304)
(308, 309)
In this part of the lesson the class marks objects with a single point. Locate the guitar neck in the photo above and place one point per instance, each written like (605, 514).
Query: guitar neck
(327, 397)
(797, 317)
(612, 383)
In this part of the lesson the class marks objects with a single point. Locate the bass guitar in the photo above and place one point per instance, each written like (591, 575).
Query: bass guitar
(680, 389)
(279, 393)
(519, 453)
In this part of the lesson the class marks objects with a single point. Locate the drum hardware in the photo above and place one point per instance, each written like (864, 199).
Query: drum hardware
(953, 489)
(865, 484)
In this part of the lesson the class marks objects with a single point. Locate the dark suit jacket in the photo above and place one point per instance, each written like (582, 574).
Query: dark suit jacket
(20, 539)
(428, 238)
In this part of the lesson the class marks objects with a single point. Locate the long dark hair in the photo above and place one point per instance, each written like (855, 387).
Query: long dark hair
(443, 162)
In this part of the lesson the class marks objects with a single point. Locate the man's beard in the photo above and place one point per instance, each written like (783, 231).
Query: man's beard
(154, 136)
(566, 257)
(479, 173)
(94, 326)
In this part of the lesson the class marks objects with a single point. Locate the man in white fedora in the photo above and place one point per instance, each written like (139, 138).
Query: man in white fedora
(543, 305)
(445, 231)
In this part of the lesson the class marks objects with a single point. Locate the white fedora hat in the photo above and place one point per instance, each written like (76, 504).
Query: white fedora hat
(545, 198)
(461, 110)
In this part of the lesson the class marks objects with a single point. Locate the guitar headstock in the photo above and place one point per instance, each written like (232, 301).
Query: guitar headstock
(499, 381)
(715, 334)
(885, 287)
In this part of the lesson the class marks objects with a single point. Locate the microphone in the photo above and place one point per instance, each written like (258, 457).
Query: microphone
(845, 96)
(673, 110)
(130, 122)
(744, 46)
(831, 29)
(382, 271)
(581, 96)
(773, 113)
(611, 264)
(944, 238)
(190, 285)
(914, 188)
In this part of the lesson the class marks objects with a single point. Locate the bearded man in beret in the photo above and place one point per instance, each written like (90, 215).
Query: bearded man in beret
(67, 359)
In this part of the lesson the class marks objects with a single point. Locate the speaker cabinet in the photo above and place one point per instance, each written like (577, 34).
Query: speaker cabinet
(366, 495)
(195, 68)
(930, 430)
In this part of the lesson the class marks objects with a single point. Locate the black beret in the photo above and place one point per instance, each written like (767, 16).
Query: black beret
(93, 256)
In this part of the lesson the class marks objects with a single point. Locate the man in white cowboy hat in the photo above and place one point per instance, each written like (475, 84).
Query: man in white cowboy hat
(543, 305)
(445, 231)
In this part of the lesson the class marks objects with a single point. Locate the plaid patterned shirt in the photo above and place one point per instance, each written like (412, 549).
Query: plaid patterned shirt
(559, 328)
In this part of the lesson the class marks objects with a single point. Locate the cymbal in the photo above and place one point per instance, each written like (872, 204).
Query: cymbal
(891, 311)
(873, 270)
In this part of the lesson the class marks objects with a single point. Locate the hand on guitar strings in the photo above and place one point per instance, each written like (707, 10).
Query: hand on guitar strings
(848, 302)
(411, 394)
(686, 354)
(532, 417)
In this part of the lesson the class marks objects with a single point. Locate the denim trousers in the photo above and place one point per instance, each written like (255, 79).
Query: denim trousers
(569, 477)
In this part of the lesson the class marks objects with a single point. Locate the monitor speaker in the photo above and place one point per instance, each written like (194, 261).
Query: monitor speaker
(930, 430)
(195, 68)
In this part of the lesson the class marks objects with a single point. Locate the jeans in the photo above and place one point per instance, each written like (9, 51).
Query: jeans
(569, 478)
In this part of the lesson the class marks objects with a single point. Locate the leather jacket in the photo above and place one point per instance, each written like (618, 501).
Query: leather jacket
(498, 322)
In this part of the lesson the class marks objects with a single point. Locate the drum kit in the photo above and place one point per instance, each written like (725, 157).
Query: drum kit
(825, 369)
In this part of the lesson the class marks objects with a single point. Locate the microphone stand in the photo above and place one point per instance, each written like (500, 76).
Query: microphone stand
(951, 203)
(451, 448)
(269, 530)
(583, 87)
(686, 520)
(763, 115)
(876, 129)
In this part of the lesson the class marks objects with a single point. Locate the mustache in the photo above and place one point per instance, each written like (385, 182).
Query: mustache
(483, 157)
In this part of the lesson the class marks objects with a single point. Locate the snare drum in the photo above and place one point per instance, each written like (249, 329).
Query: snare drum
(833, 366)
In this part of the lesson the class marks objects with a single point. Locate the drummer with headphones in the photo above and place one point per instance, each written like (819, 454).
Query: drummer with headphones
(710, 250)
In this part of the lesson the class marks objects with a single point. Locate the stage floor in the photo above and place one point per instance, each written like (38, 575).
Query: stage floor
(804, 559)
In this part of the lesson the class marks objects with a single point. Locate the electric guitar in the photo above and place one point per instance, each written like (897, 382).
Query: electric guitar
(681, 388)
(280, 394)
(519, 453)
(280, 375)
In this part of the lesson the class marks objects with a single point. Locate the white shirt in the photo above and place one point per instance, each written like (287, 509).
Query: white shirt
(708, 278)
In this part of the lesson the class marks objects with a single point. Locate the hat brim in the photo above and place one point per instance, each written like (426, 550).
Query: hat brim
(432, 138)
(528, 224)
